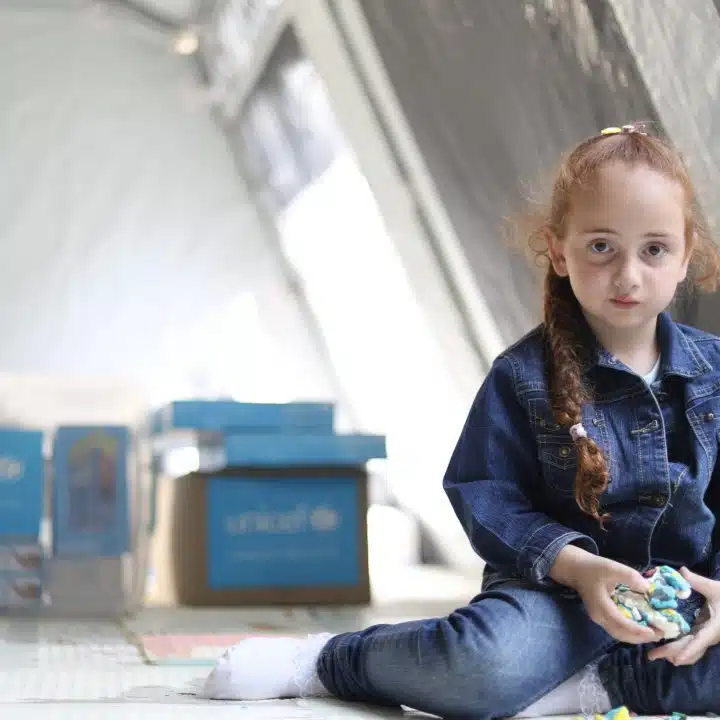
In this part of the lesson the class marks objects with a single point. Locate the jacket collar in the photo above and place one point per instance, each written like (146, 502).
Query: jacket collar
(679, 355)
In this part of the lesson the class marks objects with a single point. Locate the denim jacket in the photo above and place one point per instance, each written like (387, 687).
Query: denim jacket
(510, 479)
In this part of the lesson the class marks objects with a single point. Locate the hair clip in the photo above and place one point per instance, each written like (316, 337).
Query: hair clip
(577, 431)
(629, 129)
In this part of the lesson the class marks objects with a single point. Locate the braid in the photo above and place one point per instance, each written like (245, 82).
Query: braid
(566, 330)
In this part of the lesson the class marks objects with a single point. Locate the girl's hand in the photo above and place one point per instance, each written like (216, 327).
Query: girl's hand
(594, 578)
(596, 582)
(706, 631)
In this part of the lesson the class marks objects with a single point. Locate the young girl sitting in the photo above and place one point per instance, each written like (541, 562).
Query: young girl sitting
(589, 456)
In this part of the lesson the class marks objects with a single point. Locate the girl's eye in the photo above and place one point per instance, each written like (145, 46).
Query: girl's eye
(600, 247)
(655, 250)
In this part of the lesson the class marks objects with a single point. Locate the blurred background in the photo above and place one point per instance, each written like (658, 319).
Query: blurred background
(284, 201)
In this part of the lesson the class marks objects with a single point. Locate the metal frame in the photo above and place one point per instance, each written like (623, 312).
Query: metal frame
(457, 278)
(459, 319)
(223, 118)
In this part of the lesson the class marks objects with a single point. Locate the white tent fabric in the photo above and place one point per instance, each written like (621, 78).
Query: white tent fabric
(125, 226)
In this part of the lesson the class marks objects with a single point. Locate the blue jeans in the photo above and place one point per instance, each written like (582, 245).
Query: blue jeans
(508, 648)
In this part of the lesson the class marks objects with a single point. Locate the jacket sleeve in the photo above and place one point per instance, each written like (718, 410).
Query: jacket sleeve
(712, 500)
(715, 567)
(491, 480)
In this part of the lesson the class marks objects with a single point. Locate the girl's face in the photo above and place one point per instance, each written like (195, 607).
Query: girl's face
(624, 250)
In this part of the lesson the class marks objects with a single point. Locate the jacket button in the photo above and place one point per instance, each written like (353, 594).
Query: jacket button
(652, 500)
(710, 417)
(564, 451)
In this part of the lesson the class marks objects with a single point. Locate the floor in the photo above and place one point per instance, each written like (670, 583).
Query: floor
(71, 670)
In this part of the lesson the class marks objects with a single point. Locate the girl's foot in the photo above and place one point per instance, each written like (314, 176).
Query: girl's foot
(268, 668)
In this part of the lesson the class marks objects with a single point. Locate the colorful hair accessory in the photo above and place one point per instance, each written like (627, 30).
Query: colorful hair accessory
(577, 431)
(628, 129)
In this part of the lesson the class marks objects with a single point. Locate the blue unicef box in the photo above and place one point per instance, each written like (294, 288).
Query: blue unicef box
(267, 451)
(295, 450)
(230, 415)
(22, 480)
(90, 491)
(272, 536)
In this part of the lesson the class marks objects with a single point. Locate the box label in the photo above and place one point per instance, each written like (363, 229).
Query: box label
(90, 491)
(283, 532)
(21, 482)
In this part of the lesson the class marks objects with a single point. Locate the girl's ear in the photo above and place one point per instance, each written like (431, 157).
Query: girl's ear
(556, 253)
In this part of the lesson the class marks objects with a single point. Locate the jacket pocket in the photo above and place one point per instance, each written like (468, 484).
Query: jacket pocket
(558, 458)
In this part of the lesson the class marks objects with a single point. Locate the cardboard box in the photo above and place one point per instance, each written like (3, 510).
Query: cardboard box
(88, 586)
(21, 556)
(263, 537)
(338, 451)
(22, 575)
(212, 452)
(22, 480)
(227, 415)
(91, 491)
(21, 590)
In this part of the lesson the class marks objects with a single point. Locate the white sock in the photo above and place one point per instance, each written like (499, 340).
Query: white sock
(583, 693)
(268, 668)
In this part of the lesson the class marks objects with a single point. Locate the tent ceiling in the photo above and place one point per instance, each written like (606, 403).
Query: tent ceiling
(178, 10)
(172, 12)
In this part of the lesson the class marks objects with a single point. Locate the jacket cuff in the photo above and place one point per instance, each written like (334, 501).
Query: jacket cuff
(543, 546)
(715, 567)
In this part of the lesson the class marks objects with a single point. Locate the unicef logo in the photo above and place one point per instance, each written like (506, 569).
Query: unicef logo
(11, 470)
(324, 519)
(302, 519)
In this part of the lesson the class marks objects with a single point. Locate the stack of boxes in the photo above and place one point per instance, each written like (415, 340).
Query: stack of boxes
(259, 504)
(90, 572)
(79, 567)
(262, 504)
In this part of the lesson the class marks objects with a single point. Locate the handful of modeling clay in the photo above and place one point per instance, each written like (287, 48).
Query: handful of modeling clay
(658, 607)
(622, 713)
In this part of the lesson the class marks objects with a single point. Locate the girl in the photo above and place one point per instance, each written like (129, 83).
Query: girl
(589, 455)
